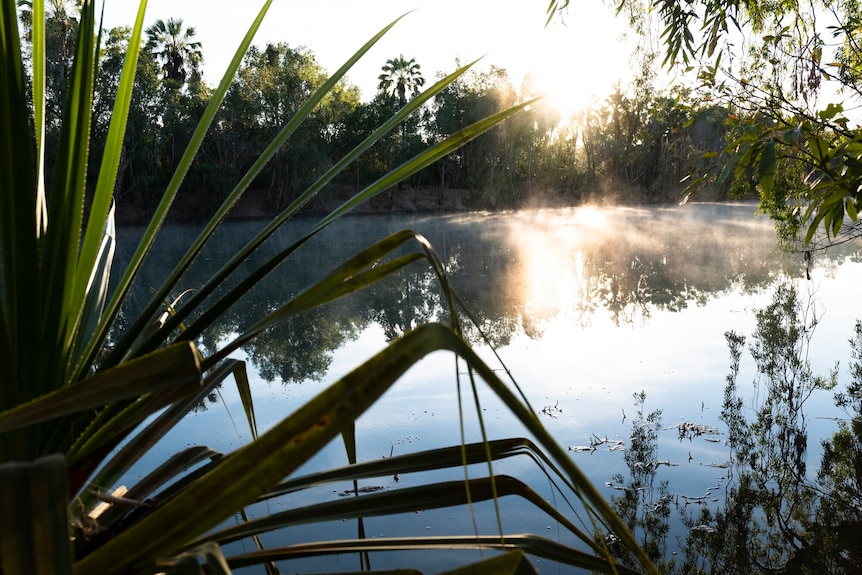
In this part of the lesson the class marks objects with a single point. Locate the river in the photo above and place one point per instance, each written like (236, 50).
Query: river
(588, 308)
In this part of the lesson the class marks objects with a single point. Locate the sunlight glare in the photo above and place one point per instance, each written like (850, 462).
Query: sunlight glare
(578, 62)
(590, 217)
(550, 278)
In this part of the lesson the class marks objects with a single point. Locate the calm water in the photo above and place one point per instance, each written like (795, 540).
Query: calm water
(586, 307)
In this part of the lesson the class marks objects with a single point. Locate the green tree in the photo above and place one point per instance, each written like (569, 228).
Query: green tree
(176, 49)
(400, 77)
(179, 98)
(769, 86)
(358, 125)
(271, 85)
(455, 107)
(498, 168)
(142, 171)
(60, 32)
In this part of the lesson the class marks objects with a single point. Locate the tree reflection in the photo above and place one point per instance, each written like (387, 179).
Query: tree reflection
(656, 259)
(300, 349)
(775, 518)
(402, 301)
(644, 506)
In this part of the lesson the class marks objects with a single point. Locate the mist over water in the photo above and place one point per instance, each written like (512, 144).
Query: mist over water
(586, 307)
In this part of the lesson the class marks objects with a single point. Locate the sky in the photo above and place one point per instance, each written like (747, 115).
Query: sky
(579, 56)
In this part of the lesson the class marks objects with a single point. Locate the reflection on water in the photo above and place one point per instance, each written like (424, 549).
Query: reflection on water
(628, 262)
(765, 513)
(587, 307)
(516, 272)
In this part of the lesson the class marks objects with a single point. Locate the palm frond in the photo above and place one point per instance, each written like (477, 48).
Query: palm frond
(33, 521)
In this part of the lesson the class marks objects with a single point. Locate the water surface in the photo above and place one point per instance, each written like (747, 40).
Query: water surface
(586, 307)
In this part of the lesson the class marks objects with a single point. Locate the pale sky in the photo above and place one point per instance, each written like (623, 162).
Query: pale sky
(581, 55)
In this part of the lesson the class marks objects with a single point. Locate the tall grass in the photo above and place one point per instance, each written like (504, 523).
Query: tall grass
(81, 400)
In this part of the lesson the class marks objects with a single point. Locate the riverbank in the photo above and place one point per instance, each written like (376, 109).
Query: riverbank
(256, 203)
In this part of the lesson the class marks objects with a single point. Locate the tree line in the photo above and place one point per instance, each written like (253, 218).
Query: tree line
(626, 148)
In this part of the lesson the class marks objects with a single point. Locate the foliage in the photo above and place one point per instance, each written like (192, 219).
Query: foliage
(500, 166)
(176, 49)
(399, 77)
(638, 141)
(271, 85)
(84, 396)
(766, 63)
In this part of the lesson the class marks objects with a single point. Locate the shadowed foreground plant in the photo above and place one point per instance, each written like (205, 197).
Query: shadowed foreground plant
(81, 400)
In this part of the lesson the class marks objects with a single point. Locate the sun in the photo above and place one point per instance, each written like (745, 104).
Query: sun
(579, 61)
(568, 96)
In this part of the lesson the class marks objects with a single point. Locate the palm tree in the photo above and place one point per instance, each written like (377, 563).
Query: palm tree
(176, 49)
(55, 10)
(399, 76)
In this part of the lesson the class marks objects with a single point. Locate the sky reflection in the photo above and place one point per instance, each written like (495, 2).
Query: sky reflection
(586, 307)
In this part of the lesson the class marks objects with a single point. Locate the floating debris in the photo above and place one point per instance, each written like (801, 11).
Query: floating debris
(724, 465)
(363, 489)
(654, 464)
(596, 442)
(552, 411)
(690, 430)
(704, 528)
(623, 487)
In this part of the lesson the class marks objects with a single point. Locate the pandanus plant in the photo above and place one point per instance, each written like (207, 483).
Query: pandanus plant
(82, 398)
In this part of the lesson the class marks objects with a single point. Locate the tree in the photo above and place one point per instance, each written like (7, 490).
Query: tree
(181, 97)
(499, 165)
(767, 64)
(142, 173)
(271, 85)
(176, 49)
(60, 30)
(399, 77)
